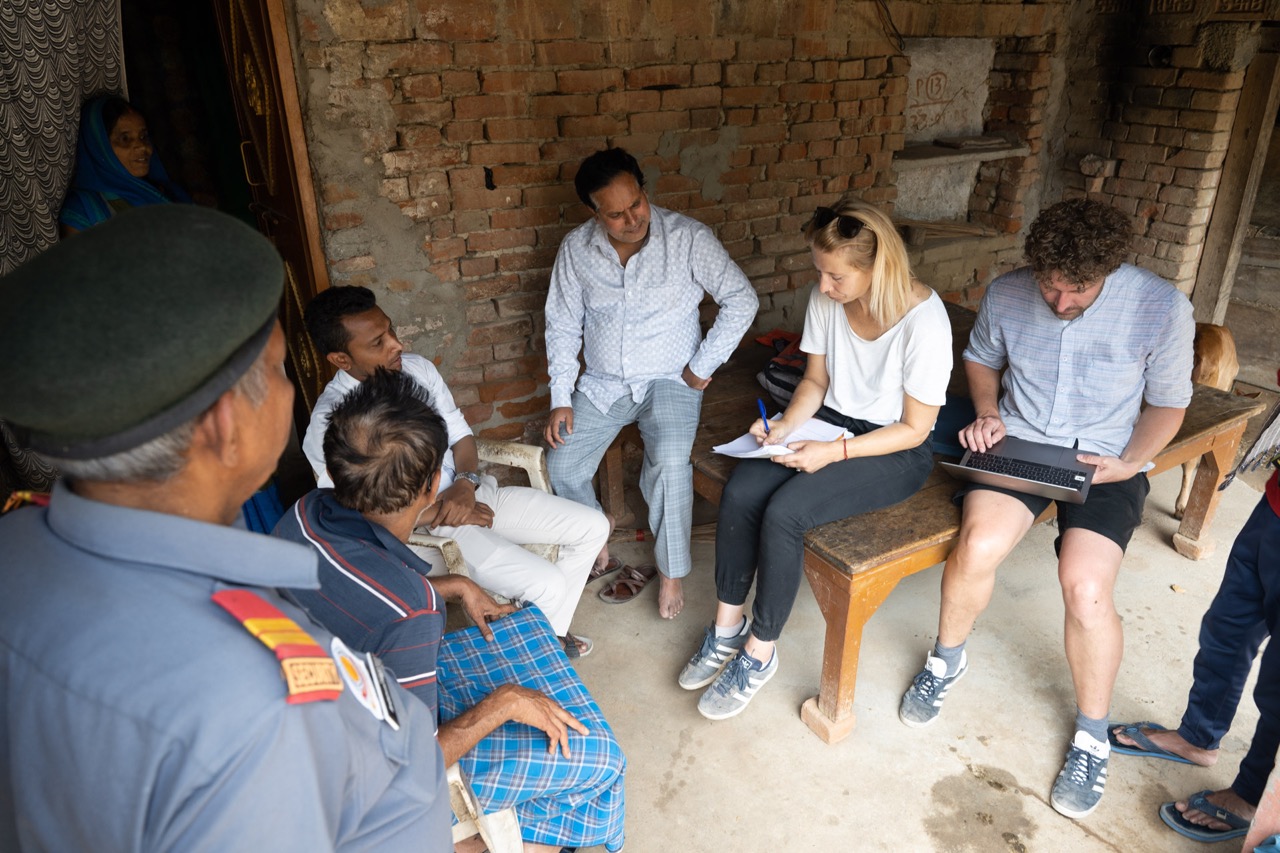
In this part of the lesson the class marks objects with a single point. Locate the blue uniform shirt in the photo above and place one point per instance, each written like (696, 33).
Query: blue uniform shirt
(136, 714)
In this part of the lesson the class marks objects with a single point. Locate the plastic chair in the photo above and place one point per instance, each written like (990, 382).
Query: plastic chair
(527, 457)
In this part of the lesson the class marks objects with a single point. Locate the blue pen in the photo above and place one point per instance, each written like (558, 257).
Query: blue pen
(763, 415)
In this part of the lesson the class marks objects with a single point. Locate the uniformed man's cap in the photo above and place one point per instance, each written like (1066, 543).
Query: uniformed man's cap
(131, 328)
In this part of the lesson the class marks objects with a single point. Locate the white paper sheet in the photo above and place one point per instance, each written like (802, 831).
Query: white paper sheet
(745, 446)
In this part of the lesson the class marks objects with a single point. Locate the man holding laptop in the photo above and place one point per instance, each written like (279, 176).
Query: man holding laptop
(1084, 341)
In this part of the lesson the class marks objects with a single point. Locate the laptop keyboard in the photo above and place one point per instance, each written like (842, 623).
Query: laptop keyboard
(1033, 471)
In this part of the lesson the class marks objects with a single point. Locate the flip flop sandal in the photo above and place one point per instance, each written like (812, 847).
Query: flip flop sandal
(628, 584)
(1173, 818)
(575, 646)
(608, 568)
(1146, 748)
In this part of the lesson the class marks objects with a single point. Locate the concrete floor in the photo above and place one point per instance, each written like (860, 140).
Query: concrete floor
(978, 779)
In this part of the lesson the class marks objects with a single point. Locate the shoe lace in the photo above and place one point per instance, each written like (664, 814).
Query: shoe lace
(1080, 766)
(708, 648)
(735, 675)
(927, 684)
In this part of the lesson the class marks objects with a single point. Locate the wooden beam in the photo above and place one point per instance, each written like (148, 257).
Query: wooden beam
(1241, 173)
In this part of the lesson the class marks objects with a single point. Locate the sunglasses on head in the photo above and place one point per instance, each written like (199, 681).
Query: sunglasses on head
(846, 226)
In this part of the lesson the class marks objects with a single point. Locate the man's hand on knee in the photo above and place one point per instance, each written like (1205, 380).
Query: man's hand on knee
(559, 415)
(536, 709)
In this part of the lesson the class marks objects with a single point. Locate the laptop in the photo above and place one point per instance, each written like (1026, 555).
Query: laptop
(1048, 470)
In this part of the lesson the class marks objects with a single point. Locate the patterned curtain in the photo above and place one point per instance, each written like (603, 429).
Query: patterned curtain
(52, 54)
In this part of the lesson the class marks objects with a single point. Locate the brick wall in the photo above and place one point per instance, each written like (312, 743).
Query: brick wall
(1149, 133)
(445, 152)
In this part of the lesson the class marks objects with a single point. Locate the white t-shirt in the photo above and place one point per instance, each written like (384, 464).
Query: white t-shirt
(867, 379)
(425, 374)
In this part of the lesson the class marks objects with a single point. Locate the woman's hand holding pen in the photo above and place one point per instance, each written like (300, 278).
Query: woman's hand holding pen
(776, 433)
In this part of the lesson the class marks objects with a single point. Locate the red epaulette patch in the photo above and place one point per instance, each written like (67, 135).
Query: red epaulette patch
(309, 672)
(22, 498)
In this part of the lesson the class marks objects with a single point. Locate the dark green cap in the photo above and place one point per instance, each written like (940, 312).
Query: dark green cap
(131, 328)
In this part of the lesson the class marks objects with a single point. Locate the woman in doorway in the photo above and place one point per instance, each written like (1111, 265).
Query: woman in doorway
(116, 166)
(879, 359)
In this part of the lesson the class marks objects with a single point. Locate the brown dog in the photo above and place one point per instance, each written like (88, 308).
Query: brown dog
(1215, 366)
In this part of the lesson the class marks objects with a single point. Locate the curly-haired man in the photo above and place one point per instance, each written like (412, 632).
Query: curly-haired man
(1084, 341)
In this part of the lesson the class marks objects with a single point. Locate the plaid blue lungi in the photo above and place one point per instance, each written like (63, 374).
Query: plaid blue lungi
(577, 801)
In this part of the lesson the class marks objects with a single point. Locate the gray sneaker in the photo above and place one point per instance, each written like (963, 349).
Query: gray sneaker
(735, 686)
(922, 702)
(1079, 787)
(711, 657)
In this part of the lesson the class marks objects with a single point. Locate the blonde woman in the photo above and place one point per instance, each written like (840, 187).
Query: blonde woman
(879, 358)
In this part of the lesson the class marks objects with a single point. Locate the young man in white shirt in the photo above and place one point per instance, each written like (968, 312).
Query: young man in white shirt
(489, 523)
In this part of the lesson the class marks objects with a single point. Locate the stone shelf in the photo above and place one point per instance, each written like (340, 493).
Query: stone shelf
(932, 156)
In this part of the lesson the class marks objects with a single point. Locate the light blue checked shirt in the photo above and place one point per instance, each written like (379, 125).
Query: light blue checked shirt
(639, 323)
(1085, 378)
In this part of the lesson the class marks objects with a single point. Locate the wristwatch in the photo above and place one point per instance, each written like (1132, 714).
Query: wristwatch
(470, 476)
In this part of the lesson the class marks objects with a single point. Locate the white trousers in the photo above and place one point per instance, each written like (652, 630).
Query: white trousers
(524, 516)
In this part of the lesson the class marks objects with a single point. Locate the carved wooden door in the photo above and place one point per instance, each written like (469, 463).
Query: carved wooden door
(255, 42)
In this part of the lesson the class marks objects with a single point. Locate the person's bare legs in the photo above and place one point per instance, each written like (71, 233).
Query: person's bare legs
(1088, 564)
(991, 524)
(670, 596)
(1224, 799)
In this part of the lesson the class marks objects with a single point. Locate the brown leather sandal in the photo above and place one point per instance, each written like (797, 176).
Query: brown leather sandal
(628, 584)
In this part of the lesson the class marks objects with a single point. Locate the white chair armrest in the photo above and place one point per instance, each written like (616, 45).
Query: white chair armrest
(528, 457)
(448, 549)
(500, 831)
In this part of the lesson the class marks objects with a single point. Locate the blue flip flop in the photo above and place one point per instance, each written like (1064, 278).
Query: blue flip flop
(1173, 818)
(1145, 748)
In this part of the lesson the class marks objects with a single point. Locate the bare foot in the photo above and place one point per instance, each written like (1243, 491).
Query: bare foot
(1171, 741)
(670, 597)
(1225, 799)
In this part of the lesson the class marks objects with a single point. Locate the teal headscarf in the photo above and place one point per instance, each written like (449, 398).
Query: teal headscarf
(101, 185)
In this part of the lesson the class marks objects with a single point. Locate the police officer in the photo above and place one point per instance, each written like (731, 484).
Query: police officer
(155, 692)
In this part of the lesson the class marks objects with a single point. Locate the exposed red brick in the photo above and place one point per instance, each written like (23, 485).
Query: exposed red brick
(493, 54)
(537, 405)
(593, 81)
(562, 105)
(455, 20)
(507, 390)
(503, 82)
(558, 53)
(490, 106)
(659, 75)
(513, 431)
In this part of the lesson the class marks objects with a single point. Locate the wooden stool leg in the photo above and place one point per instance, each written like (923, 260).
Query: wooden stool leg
(1203, 503)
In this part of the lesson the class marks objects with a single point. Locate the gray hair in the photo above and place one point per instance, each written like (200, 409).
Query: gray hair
(162, 457)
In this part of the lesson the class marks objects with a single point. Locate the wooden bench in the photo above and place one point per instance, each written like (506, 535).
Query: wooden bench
(853, 564)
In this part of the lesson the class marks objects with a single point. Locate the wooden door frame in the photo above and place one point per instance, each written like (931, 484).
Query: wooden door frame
(1237, 188)
(299, 160)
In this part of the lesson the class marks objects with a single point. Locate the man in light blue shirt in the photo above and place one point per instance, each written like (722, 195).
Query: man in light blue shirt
(1084, 341)
(625, 292)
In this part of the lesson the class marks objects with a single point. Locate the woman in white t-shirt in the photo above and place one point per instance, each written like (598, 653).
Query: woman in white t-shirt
(879, 359)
